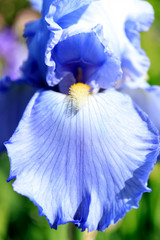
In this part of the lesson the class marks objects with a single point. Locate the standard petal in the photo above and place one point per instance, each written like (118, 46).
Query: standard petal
(140, 17)
(65, 7)
(73, 49)
(61, 13)
(97, 61)
(89, 166)
(13, 101)
(96, 65)
(119, 35)
(74, 31)
(135, 63)
(106, 75)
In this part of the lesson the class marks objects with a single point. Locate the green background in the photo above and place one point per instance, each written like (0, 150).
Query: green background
(19, 218)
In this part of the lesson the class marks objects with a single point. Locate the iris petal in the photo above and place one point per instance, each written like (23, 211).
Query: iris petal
(65, 7)
(57, 10)
(73, 49)
(140, 19)
(69, 32)
(106, 75)
(13, 101)
(119, 35)
(147, 98)
(37, 4)
(97, 66)
(34, 69)
(89, 166)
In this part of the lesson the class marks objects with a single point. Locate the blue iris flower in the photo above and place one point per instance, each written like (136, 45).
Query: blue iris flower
(83, 151)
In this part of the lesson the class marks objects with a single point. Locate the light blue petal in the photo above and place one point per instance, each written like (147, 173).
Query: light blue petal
(148, 99)
(89, 166)
(65, 7)
(37, 4)
(106, 75)
(140, 18)
(13, 100)
(134, 64)
(134, 60)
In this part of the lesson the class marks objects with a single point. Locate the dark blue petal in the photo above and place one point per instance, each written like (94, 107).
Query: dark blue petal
(72, 53)
(13, 100)
(89, 166)
(34, 69)
(5, 83)
(84, 47)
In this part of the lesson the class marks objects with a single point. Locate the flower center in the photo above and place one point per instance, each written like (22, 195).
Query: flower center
(78, 94)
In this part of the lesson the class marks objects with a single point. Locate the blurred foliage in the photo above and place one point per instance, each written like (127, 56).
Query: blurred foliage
(19, 218)
(151, 44)
(10, 8)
